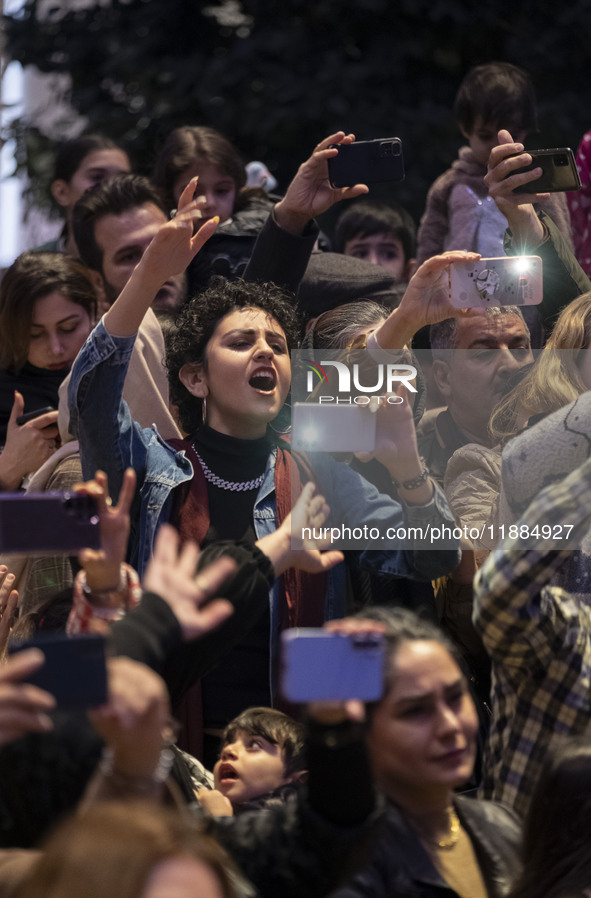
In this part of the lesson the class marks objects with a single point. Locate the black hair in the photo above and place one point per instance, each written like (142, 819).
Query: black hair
(32, 276)
(277, 728)
(500, 95)
(72, 153)
(403, 625)
(557, 827)
(114, 196)
(187, 341)
(368, 217)
(190, 145)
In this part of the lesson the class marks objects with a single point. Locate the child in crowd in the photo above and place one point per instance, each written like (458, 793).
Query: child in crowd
(260, 763)
(459, 213)
(81, 163)
(201, 152)
(382, 233)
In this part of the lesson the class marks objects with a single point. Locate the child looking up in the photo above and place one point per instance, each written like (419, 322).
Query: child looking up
(261, 761)
(382, 233)
(459, 213)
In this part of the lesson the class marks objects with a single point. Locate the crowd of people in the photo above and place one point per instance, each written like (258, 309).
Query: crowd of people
(146, 364)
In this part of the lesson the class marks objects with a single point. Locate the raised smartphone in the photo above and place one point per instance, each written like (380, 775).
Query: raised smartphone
(48, 523)
(503, 281)
(30, 416)
(559, 171)
(74, 670)
(320, 427)
(320, 666)
(367, 162)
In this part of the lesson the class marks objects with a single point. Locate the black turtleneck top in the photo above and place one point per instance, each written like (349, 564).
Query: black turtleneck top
(242, 679)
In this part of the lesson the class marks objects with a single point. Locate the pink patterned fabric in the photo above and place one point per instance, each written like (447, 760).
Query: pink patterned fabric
(579, 203)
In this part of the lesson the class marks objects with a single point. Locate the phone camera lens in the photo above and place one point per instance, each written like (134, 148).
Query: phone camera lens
(561, 160)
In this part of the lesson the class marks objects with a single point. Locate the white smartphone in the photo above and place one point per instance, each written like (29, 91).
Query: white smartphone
(323, 427)
(503, 281)
(321, 666)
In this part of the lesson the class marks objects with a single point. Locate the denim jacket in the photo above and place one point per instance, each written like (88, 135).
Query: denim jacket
(111, 440)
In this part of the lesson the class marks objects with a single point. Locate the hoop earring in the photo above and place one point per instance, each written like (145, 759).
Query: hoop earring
(204, 411)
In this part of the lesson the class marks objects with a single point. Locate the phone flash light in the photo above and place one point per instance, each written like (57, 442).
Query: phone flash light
(310, 435)
(521, 265)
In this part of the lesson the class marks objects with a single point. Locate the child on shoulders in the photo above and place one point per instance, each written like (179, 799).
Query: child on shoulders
(459, 213)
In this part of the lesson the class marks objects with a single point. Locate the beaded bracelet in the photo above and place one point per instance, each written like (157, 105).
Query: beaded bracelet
(415, 482)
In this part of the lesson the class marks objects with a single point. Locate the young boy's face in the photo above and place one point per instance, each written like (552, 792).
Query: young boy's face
(484, 136)
(382, 249)
(249, 767)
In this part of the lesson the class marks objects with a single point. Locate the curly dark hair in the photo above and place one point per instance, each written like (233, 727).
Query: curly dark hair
(187, 341)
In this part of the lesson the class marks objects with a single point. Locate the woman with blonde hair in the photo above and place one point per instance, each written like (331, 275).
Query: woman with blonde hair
(561, 372)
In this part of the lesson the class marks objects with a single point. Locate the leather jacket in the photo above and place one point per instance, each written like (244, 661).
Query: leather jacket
(400, 865)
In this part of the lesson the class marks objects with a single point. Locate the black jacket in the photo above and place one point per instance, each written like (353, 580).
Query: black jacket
(401, 867)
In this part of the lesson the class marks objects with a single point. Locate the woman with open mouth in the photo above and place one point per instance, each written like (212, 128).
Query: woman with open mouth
(232, 476)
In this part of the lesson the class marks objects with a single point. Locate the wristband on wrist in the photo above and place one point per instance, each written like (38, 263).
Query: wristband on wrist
(415, 482)
(140, 784)
(85, 609)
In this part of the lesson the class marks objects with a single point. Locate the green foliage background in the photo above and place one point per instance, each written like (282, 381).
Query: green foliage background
(276, 77)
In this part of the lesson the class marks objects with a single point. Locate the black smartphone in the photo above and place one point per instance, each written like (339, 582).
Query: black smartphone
(74, 671)
(48, 523)
(367, 162)
(30, 416)
(559, 171)
(320, 666)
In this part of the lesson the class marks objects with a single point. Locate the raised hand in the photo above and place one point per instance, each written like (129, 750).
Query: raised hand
(8, 603)
(23, 707)
(134, 718)
(171, 250)
(171, 575)
(27, 445)
(310, 193)
(336, 712)
(425, 301)
(396, 445)
(288, 546)
(176, 243)
(103, 566)
(517, 208)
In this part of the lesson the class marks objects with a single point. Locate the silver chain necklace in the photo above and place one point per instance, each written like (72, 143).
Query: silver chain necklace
(234, 485)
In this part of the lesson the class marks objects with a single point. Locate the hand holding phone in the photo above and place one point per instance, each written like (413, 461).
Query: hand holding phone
(310, 192)
(37, 413)
(28, 445)
(74, 671)
(24, 707)
(48, 523)
(367, 162)
(322, 666)
(321, 427)
(503, 281)
(504, 160)
(559, 172)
